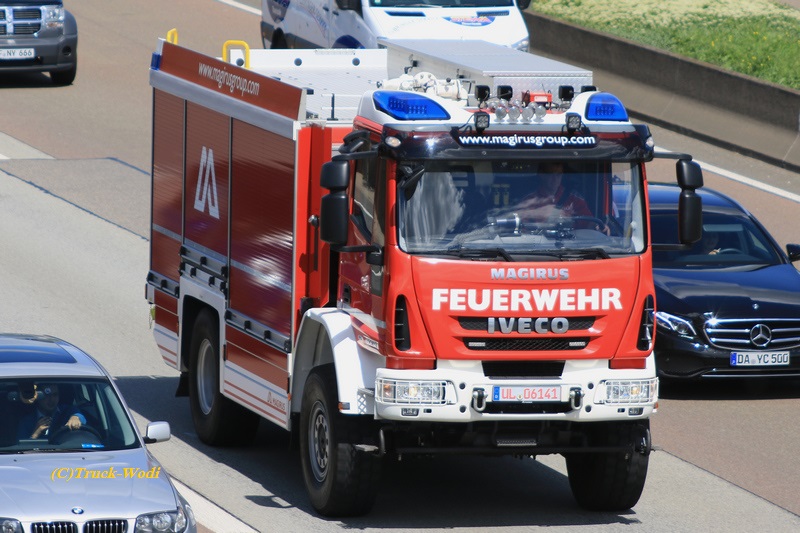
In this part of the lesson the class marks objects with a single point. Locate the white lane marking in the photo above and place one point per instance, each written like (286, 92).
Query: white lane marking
(15, 149)
(750, 181)
(210, 515)
(241, 6)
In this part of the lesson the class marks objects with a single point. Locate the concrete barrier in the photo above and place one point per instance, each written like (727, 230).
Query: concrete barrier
(738, 112)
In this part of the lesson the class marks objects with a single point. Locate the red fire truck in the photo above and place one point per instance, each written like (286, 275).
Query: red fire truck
(387, 261)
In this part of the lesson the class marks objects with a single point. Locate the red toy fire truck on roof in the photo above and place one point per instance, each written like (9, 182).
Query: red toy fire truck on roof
(358, 252)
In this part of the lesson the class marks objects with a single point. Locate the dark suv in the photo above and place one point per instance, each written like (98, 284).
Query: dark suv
(38, 36)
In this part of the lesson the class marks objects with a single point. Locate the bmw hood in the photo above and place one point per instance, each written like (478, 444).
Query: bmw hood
(48, 486)
(772, 291)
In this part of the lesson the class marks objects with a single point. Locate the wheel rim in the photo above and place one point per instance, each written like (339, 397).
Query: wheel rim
(206, 373)
(318, 441)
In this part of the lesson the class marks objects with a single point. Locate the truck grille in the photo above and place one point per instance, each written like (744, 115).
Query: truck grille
(536, 408)
(754, 334)
(20, 21)
(525, 344)
(523, 369)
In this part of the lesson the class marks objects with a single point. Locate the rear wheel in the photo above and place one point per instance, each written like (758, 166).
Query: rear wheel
(340, 480)
(611, 481)
(218, 420)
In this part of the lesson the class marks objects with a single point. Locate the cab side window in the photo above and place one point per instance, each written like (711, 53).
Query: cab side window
(369, 198)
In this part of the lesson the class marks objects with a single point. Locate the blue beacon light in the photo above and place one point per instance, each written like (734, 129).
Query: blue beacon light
(605, 106)
(408, 106)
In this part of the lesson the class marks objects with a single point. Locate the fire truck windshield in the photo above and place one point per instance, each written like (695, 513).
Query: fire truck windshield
(522, 208)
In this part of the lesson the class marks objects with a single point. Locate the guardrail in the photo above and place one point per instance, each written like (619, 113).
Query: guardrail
(738, 112)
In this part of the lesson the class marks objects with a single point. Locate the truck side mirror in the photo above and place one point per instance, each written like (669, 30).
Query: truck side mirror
(335, 206)
(689, 173)
(690, 205)
(523, 4)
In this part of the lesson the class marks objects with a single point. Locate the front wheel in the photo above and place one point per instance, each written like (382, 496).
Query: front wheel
(64, 77)
(218, 420)
(611, 481)
(340, 480)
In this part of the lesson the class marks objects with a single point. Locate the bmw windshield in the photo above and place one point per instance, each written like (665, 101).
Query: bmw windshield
(63, 415)
(510, 209)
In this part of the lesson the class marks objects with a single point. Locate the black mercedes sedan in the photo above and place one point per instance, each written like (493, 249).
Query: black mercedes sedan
(728, 306)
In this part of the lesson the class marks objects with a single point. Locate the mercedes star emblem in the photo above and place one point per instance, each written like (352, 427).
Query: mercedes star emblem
(760, 335)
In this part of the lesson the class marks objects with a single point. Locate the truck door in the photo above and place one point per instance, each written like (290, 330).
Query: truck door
(362, 283)
(346, 26)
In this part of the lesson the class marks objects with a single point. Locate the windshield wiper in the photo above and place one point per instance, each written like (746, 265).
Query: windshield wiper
(50, 450)
(474, 253)
(484, 252)
(571, 254)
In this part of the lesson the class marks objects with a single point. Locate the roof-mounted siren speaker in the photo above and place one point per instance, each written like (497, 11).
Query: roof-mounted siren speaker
(505, 92)
(588, 88)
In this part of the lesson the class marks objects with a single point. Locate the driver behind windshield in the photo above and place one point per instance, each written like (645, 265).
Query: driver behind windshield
(49, 413)
(551, 199)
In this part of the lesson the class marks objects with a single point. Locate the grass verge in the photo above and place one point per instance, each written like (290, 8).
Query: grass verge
(758, 38)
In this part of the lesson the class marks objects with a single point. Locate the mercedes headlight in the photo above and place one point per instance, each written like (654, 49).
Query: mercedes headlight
(675, 324)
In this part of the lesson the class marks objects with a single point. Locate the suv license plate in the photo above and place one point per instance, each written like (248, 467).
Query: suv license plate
(526, 394)
(17, 53)
(759, 358)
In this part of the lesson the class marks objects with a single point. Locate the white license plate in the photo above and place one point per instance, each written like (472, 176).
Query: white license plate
(759, 358)
(526, 394)
(17, 53)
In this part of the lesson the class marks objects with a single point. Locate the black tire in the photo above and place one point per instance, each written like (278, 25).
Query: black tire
(64, 77)
(611, 481)
(218, 420)
(279, 42)
(340, 480)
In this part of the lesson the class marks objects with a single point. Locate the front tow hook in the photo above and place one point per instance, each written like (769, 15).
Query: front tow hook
(575, 398)
(479, 400)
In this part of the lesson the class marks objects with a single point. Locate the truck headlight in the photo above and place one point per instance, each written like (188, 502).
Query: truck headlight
(628, 391)
(416, 392)
(53, 16)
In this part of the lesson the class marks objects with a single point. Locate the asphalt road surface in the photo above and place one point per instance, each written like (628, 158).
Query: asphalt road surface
(74, 200)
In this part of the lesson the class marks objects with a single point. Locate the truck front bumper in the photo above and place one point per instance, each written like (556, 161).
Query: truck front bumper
(459, 391)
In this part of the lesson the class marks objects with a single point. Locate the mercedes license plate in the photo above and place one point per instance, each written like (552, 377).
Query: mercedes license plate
(526, 393)
(17, 53)
(759, 358)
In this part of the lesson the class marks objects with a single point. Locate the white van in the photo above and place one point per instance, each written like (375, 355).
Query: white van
(360, 23)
